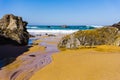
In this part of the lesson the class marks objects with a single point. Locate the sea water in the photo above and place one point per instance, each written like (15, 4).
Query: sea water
(43, 29)
(40, 29)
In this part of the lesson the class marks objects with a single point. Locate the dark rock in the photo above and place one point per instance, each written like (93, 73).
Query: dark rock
(32, 55)
(13, 30)
(48, 26)
(38, 35)
(117, 25)
(30, 35)
(46, 33)
(64, 26)
(51, 35)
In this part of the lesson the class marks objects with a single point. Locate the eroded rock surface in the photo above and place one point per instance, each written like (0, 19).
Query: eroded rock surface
(13, 30)
(91, 38)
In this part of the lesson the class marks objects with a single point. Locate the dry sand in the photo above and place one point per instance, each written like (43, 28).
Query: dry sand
(101, 63)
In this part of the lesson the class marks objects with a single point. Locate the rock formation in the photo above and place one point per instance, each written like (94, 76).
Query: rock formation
(91, 38)
(64, 26)
(13, 30)
(117, 25)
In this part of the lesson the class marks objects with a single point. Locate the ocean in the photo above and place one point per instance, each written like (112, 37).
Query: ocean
(40, 29)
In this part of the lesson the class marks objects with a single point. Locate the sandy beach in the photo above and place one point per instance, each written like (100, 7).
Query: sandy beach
(44, 61)
(100, 63)
(31, 60)
(60, 40)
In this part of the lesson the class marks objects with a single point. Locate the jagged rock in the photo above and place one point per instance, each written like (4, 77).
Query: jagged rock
(13, 30)
(117, 25)
(51, 35)
(72, 42)
(91, 38)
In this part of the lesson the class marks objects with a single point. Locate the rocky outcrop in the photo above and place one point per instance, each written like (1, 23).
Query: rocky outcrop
(91, 38)
(64, 26)
(117, 25)
(13, 30)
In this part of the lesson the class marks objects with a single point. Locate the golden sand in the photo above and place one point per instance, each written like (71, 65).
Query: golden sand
(35, 48)
(101, 63)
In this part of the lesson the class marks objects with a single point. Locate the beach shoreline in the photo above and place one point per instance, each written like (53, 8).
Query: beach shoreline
(44, 55)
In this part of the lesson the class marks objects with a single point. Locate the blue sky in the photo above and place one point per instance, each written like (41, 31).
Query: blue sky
(60, 12)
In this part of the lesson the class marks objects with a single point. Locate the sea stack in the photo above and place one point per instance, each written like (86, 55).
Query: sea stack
(13, 30)
(64, 26)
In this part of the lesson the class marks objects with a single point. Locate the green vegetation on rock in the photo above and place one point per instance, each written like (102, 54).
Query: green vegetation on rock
(91, 38)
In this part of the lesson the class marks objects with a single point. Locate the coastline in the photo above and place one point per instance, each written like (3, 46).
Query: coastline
(33, 63)
(42, 32)
(57, 29)
(59, 40)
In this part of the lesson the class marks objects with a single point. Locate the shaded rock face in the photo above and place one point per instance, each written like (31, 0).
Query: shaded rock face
(13, 30)
(91, 38)
(117, 25)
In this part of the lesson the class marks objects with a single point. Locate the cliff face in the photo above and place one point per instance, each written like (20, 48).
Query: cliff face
(13, 30)
(91, 38)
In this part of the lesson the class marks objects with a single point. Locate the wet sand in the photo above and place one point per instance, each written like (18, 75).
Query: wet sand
(8, 53)
(30, 62)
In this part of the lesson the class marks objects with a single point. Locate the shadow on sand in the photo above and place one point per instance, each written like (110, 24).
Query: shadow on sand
(9, 53)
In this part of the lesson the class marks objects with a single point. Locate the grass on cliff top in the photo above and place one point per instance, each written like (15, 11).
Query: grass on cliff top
(101, 63)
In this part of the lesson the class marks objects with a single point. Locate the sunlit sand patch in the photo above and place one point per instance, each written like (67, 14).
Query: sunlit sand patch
(35, 48)
(83, 64)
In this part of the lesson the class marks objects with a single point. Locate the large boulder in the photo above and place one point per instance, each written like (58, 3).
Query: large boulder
(91, 38)
(13, 30)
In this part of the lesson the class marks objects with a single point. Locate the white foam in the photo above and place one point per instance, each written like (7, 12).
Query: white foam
(97, 26)
(51, 31)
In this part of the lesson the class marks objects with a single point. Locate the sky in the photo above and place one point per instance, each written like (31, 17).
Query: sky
(63, 12)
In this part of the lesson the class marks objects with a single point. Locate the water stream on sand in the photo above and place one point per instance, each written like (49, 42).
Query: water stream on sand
(32, 62)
